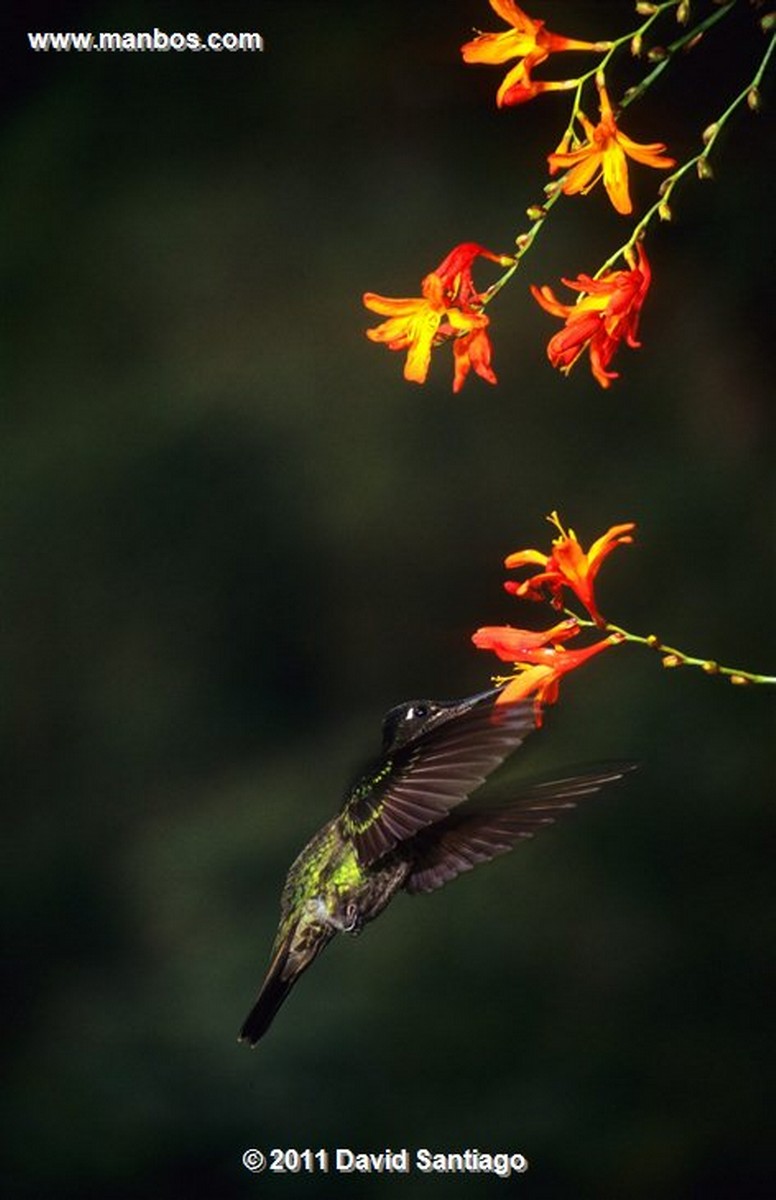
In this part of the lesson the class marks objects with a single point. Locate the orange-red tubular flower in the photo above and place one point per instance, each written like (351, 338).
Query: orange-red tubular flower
(539, 665)
(450, 307)
(606, 314)
(527, 40)
(568, 565)
(605, 155)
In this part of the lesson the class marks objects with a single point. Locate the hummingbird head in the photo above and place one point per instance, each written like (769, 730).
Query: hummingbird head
(410, 720)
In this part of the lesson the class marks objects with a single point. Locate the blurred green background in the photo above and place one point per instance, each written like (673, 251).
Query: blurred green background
(232, 537)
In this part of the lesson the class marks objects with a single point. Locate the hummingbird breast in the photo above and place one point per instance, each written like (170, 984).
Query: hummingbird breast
(354, 895)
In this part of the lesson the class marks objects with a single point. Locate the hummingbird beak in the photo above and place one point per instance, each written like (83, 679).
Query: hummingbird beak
(457, 708)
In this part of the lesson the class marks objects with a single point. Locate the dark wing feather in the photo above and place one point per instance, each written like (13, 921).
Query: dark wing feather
(465, 839)
(426, 778)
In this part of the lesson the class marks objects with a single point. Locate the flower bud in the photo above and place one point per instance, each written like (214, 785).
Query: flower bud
(753, 99)
(683, 12)
(768, 22)
(635, 46)
(739, 679)
(711, 668)
(644, 9)
(704, 169)
(535, 212)
(656, 54)
(653, 640)
(664, 211)
(710, 132)
(672, 660)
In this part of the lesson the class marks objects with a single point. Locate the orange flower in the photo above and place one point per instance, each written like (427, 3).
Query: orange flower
(450, 307)
(567, 566)
(540, 661)
(605, 153)
(606, 314)
(527, 40)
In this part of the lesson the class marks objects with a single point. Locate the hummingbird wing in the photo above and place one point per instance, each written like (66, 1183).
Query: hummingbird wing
(419, 784)
(464, 839)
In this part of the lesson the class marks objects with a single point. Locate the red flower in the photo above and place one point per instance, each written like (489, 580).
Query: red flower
(527, 40)
(450, 307)
(606, 314)
(605, 155)
(539, 658)
(568, 565)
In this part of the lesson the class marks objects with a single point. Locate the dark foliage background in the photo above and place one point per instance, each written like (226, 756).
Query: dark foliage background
(232, 537)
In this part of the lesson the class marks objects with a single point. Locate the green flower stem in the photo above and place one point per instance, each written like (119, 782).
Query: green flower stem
(688, 37)
(523, 241)
(614, 46)
(699, 161)
(553, 191)
(677, 658)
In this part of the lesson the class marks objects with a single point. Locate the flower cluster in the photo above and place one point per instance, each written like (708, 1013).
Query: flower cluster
(609, 302)
(605, 315)
(541, 659)
(449, 307)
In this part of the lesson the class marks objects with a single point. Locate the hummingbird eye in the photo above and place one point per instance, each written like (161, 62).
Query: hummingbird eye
(417, 710)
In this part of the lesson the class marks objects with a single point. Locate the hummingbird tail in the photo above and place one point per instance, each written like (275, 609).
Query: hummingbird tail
(291, 959)
(273, 992)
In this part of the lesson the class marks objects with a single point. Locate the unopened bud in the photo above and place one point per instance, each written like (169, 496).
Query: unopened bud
(664, 212)
(653, 640)
(635, 46)
(768, 22)
(711, 668)
(522, 240)
(710, 132)
(656, 54)
(644, 9)
(683, 12)
(692, 43)
(551, 189)
(704, 169)
(739, 679)
(753, 99)
(629, 94)
(672, 660)
(535, 212)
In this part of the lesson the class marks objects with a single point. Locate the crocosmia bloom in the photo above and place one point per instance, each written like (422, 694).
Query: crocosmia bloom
(605, 155)
(540, 659)
(606, 314)
(567, 566)
(528, 41)
(449, 307)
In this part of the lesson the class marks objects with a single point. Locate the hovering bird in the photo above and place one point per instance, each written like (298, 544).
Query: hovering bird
(401, 829)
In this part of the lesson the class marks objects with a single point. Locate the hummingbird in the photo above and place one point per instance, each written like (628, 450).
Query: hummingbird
(401, 828)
